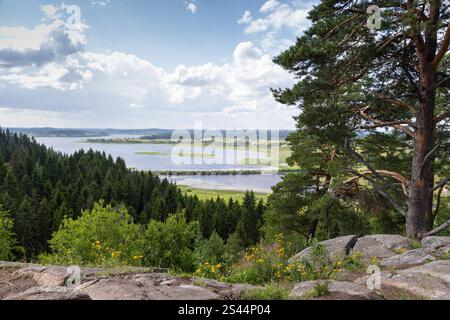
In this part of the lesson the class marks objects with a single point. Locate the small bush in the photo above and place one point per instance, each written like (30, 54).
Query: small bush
(7, 237)
(211, 250)
(321, 289)
(416, 244)
(268, 293)
(104, 236)
(211, 271)
(171, 244)
(267, 264)
(244, 275)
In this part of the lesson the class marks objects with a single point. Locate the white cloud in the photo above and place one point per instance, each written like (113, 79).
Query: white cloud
(273, 43)
(277, 24)
(138, 106)
(192, 7)
(22, 38)
(49, 10)
(29, 117)
(276, 15)
(246, 18)
(115, 89)
(270, 5)
(245, 51)
(240, 86)
(282, 16)
(102, 3)
(46, 55)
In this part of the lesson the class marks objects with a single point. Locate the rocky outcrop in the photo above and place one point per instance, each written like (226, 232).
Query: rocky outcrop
(49, 293)
(430, 281)
(401, 271)
(405, 272)
(336, 248)
(337, 290)
(381, 246)
(439, 244)
(408, 259)
(49, 283)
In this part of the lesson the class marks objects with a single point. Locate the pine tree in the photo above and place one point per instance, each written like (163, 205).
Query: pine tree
(354, 81)
(27, 224)
(2, 168)
(250, 221)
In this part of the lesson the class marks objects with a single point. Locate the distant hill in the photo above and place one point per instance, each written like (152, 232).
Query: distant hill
(54, 132)
(150, 134)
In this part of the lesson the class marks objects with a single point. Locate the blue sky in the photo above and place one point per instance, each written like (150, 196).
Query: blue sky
(141, 63)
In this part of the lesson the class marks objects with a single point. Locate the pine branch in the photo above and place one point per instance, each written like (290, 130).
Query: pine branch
(379, 190)
(337, 27)
(444, 47)
(443, 227)
(442, 83)
(438, 203)
(441, 184)
(397, 176)
(396, 102)
(390, 40)
(394, 124)
(442, 117)
(428, 157)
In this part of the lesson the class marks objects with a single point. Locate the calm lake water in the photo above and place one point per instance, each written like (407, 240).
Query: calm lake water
(163, 160)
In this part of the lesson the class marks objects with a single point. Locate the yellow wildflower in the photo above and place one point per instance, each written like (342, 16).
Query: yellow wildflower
(115, 254)
(97, 244)
(374, 261)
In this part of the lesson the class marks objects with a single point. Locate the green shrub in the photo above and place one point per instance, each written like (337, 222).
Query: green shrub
(233, 249)
(245, 275)
(264, 264)
(210, 271)
(104, 236)
(321, 289)
(270, 292)
(211, 250)
(171, 244)
(7, 237)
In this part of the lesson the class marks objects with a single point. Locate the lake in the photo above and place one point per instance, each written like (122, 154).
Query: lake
(158, 157)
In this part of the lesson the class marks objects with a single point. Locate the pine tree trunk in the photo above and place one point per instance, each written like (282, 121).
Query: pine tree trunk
(420, 219)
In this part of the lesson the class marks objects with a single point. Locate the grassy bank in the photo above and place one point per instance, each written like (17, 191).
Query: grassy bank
(204, 194)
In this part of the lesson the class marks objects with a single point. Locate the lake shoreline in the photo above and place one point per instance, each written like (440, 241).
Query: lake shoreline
(158, 160)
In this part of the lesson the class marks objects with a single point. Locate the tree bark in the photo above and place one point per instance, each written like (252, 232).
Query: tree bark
(420, 217)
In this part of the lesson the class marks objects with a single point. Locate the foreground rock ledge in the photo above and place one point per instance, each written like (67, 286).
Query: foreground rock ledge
(337, 290)
(34, 282)
(408, 272)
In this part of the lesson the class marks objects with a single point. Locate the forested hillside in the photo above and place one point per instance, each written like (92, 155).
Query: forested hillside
(40, 187)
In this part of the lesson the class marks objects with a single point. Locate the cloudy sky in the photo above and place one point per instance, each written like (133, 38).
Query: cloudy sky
(146, 63)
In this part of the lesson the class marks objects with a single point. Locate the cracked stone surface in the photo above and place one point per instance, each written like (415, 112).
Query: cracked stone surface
(336, 248)
(381, 246)
(48, 283)
(338, 290)
(405, 272)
